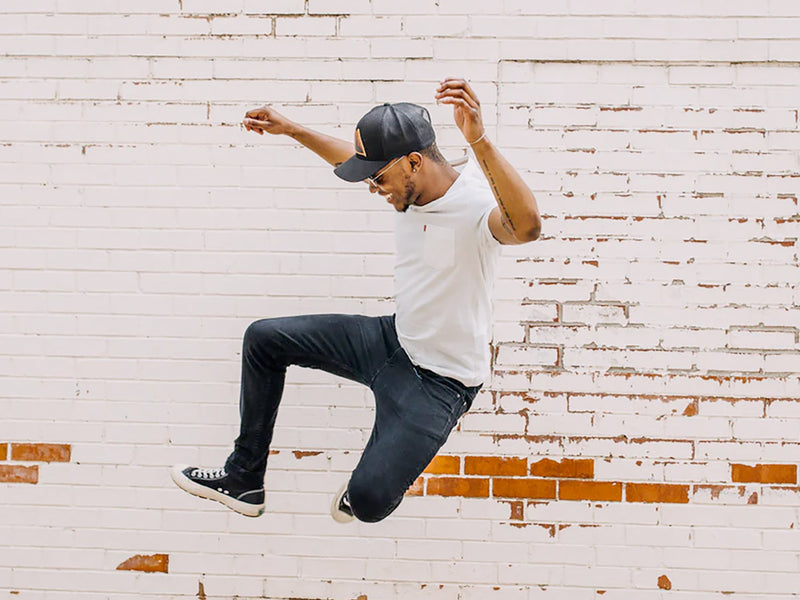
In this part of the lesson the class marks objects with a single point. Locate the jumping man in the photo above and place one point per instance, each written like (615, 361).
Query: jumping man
(424, 364)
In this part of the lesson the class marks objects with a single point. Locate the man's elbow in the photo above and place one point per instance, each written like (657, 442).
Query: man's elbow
(531, 231)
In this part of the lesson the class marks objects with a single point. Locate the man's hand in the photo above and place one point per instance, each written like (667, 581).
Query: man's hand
(267, 119)
(466, 107)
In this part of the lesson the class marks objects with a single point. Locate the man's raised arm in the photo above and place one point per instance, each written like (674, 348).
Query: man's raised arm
(516, 219)
(267, 119)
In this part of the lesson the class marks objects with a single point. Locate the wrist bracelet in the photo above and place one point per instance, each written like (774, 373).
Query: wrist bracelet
(478, 140)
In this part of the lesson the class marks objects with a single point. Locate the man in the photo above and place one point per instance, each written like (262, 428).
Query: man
(425, 363)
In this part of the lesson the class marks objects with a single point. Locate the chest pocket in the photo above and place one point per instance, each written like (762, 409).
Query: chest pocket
(439, 246)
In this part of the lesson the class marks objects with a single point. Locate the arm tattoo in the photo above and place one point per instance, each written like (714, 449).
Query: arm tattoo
(508, 224)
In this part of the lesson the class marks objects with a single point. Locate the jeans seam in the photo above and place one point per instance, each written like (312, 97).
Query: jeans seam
(342, 366)
(383, 367)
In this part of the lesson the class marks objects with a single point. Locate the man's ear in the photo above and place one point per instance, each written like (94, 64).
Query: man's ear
(415, 159)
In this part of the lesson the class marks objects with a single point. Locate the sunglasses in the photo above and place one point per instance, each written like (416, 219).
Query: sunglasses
(376, 179)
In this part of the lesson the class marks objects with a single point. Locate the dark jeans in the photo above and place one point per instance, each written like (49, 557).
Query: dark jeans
(415, 409)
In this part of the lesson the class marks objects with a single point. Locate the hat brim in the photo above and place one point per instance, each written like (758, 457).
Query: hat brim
(356, 168)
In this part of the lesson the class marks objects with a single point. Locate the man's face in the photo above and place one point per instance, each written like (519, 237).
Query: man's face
(394, 184)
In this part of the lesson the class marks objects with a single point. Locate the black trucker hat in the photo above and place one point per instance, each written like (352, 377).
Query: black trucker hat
(385, 133)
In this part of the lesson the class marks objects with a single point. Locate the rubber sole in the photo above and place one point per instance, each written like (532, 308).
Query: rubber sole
(338, 515)
(195, 489)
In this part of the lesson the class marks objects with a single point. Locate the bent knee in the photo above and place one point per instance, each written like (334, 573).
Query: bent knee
(259, 344)
(370, 502)
(259, 330)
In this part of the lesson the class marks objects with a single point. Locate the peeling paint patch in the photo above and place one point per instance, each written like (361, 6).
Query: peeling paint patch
(298, 454)
(147, 563)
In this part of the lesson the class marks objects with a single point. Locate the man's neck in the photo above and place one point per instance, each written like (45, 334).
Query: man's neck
(438, 180)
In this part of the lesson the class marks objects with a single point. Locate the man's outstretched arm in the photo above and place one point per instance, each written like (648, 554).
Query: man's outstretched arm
(516, 219)
(267, 119)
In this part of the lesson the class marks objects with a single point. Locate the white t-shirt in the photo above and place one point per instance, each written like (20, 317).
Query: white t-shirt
(445, 263)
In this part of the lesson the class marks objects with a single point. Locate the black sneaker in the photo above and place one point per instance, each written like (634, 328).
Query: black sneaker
(340, 508)
(214, 484)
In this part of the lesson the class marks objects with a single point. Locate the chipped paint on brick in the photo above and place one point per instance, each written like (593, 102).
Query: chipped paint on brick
(146, 563)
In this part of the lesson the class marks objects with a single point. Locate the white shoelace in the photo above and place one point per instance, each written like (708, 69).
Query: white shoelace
(209, 473)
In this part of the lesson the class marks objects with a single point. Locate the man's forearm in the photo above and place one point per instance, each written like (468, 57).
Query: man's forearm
(518, 208)
(331, 149)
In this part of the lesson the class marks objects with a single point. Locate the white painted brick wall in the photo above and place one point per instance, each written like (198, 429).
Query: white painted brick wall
(653, 330)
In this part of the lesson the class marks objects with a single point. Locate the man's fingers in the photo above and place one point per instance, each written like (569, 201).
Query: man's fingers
(257, 124)
(460, 104)
(452, 89)
(453, 83)
(254, 125)
(460, 94)
(456, 101)
(255, 113)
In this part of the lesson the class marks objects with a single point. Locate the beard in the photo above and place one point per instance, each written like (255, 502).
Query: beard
(409, 195)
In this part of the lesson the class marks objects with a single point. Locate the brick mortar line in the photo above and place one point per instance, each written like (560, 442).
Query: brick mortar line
(650, 62)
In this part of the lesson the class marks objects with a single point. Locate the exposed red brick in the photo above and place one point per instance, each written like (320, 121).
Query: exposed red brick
(19, 474)
(517, 510)
(41, 452)
(495, 465)
(3, 451)
(656, 492)
(548, 527)
(444, 465)
(716, 490)
(567, 468)
(691, 409)
(625, 109)
(458, 486)
(523, 488)
(298, 454)
(417, 488)
(590, 490)
(664, 583)
(148, 563)
(764, 473)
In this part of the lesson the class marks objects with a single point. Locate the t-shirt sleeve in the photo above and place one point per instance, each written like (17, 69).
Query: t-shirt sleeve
(486, 238)
(486, 204)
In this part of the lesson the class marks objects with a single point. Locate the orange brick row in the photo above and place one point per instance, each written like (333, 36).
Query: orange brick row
(550, 489)
(512, 478)
(511, 466)
(29, 453)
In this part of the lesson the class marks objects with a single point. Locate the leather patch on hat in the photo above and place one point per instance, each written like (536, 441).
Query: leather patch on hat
(360, 144)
